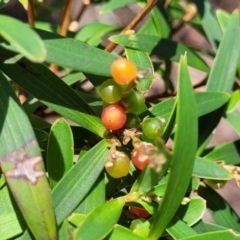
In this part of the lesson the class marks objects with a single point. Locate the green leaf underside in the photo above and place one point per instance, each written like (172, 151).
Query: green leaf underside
(39, 81)
(22, 165)
(76, 55)
(209, 170)
(60, 151)
(100, 221)
(220, 210)
(160, 46)
(80, 178)
(228, 152)
(183, 154)
(15, 33)
(219, 235)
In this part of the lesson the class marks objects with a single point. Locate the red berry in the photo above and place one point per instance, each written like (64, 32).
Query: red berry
(123, 71)
(139, 159)
(140, 212)
(113, 117)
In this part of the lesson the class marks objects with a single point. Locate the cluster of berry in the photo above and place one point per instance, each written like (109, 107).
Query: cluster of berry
(122, 102)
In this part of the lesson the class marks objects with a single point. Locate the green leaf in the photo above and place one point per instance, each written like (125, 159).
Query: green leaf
(41, 135)
(121, 233)
(92, 33)
(76, 218)
(209, 22)
(76, 55)
(220, 210)
(183, 153)
(60, 151)
(24, 39)
(180, 229)
(222, 75)
(203, 227)
(94, 198)
(99, 222)
(206, 103)
(159, 189)
(79, 178)
(209, 170)
(162, 47)
(228, 152)
(40, 82)
(144, 64)
(160, 22)
(10, 224)
(22, 165)
(115, 4)
(219, 235)
(233, 111)
(223, 18)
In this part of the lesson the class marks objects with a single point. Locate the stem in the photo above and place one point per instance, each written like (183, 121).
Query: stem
(30, 13)
(150, 4)
(63, 27)
(65, 18)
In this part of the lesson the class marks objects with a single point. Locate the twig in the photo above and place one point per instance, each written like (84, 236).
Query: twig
(150, 4)
(63, 27)
(74, 24)
(65, 18)
(30, 13)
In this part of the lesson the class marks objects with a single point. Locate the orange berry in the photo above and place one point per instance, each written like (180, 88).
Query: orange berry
(123, 71)
(113, 117)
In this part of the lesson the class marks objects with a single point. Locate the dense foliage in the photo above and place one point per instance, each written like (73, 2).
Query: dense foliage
(103, 169)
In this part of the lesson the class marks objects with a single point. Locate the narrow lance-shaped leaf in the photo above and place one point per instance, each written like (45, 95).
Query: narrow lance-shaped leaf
(209, 22)
(222, 75)
(160, 46)
(24, 39)
(144, 64)
(60, 151)
(100, 221)
(219, 235)
(79, 179)
(39, 81)
(76, 55)
(183, 153)
(23, 167)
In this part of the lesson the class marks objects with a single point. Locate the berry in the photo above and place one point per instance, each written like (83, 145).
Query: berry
(118, 166)
(123, 71)
(113, 117)
(134, 102)
(139, 159)
(140, 212)
(133, 121)
(152, 127)
(110, 92)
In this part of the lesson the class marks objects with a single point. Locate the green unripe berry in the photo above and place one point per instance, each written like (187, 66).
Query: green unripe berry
(133, 121)
(135, 102)
(110, 92)
(152, 128)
